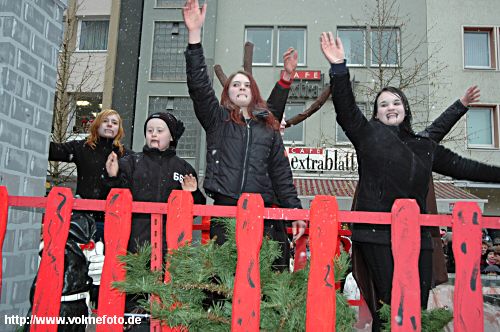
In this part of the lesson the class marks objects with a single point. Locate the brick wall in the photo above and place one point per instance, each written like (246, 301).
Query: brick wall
(30, 32)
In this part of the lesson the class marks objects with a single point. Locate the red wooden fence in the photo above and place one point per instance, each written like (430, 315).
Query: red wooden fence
(323, 225)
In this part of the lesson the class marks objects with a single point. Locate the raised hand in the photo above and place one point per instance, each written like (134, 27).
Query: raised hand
(332, 48)
(290, 59)
(112, 165)
(194, 17)
(189, 183)
(471, 96)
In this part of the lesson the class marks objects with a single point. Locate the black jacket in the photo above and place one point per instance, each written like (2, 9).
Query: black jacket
(90, 164)
(151, 176)
(240, 158)
(394, 163)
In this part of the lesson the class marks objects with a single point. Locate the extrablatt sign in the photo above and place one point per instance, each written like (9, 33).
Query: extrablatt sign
(322, 159)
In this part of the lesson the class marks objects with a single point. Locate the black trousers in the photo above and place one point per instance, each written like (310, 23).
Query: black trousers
(373, 266)
(274, 229)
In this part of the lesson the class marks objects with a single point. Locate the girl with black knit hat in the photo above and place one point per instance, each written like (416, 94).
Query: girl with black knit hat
(152, 174)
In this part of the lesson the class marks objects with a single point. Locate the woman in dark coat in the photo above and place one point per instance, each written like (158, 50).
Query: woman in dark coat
(394, 162)
(90, 155)
(245, 152)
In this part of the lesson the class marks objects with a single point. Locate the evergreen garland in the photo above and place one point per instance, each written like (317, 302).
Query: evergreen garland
(200, 271)
(433, 320)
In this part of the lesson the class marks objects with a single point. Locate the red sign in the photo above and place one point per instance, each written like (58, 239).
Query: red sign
(305, 150)
(310, 75)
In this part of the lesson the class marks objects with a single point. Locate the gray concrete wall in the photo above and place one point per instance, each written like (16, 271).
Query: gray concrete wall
(30, 32)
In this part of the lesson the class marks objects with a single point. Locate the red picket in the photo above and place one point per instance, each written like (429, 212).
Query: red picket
(179, 230)
(246, 294)
(118, 221)
(405, 236)
(323, 237)
(156, 259)
(47, 299)
(4, 206)
(468, 297)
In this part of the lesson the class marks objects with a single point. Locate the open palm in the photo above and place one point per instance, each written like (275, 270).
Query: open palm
(332, 48)
(194, 17)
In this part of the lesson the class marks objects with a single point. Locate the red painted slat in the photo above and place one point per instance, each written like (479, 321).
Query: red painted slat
(405, 298)
(205, 229)
(179, 229)
(4, 197)
(300, 258)
(117, 225)
(47, 300)
(468, 297)
(156, 259)
(323, 228)
(246, 294)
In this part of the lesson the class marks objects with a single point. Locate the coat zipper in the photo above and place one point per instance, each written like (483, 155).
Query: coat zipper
(246, 156)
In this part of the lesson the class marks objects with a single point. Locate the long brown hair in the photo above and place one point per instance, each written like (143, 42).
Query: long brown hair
(256, 103)
(94, 134)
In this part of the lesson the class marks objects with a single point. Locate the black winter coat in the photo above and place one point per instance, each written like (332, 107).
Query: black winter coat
(394, 163)
(90, 164)
(240, 158)
(151, 176)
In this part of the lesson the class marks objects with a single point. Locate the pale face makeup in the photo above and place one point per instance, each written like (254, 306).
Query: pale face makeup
(109, 127)
(239, 91)
(158, 135)
(390, 109)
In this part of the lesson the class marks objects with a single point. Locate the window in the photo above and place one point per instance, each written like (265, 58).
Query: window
(93, 35)
(264, 46)
(167, 60)
(353, 40)
(341, 137)
(182, 109)
(384, 47)
(262, 39)
(481, 127)
(479, 50)
(294, 134)
(291, 37)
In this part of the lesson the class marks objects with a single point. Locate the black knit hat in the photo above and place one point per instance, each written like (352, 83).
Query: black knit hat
(175, 126)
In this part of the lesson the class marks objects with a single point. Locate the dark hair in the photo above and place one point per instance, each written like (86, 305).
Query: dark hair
(406, 124)
(257, 103)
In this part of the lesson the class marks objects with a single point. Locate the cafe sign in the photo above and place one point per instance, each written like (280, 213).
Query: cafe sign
(322, 159)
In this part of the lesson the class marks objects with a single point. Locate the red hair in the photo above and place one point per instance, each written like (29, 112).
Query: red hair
(94, 134)
(256, 103)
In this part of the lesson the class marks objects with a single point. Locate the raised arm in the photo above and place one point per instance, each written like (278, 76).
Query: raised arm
(277, 100)
(349, 116)
(206, 105)
(440, 127)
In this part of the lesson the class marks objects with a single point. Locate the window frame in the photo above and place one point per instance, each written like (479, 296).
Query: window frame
(364, 32)
(279, 61)
(494, 128)
(375, 29)
(292, 142)
(79, 32)
(272, 28)
(152, 50)
(492, 46)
